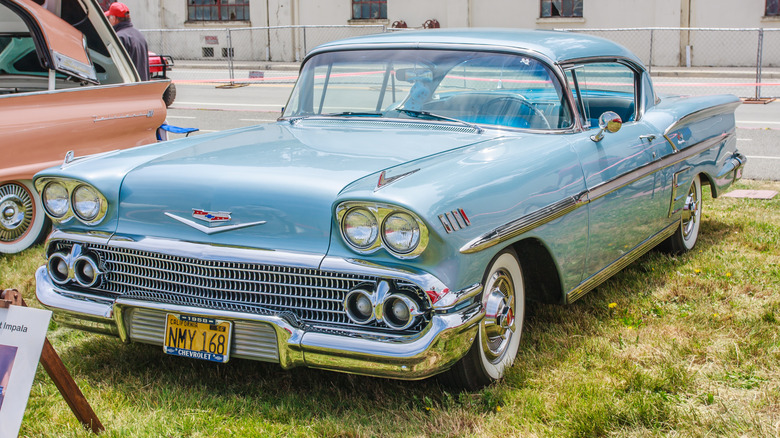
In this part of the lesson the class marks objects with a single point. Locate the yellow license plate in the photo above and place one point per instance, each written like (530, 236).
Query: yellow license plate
(197, 337)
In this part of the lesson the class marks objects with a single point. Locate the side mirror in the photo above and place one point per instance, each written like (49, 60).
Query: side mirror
(608, 121)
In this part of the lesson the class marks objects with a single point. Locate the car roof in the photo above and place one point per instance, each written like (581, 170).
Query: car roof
(555, 45)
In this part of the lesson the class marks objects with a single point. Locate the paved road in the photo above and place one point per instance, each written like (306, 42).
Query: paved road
(210, 108)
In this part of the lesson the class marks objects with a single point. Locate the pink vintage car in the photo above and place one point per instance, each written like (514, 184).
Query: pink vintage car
(66, 84)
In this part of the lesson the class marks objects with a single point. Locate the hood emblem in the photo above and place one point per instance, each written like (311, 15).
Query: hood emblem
(385, 180)
(215, 220)
(211, 216)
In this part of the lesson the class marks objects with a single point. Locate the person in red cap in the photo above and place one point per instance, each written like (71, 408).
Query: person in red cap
(119, 16)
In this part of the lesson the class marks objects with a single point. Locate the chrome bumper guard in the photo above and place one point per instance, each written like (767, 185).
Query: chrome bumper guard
(275, 338)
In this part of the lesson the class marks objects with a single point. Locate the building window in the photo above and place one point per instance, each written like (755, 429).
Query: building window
(217, 10)
(564, 8)
(369, 9)
(772, 8)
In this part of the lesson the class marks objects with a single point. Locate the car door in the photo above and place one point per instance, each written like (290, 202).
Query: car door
(59, 46)
(627, 196)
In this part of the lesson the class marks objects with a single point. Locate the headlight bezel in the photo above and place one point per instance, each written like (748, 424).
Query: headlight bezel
(382, 211)
(71, 186)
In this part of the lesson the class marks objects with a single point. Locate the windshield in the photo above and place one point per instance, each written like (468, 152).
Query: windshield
(474, 87)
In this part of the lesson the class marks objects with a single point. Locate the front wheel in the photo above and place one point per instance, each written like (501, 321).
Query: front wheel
(22, 221)
(684, 239)
(498, 337)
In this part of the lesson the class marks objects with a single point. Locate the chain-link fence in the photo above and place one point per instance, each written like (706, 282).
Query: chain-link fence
(237, 54)
(745, 62)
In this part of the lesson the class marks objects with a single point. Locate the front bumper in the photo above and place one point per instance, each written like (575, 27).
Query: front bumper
(275, 337)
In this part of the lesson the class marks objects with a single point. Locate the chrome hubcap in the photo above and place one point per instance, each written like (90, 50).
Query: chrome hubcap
(16, 211)
(498, 326)
(690, 212)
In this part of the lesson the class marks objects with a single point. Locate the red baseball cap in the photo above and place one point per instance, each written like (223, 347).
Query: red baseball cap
(118, 10)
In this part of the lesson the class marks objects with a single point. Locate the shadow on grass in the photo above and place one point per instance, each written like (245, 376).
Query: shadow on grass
(144, 374)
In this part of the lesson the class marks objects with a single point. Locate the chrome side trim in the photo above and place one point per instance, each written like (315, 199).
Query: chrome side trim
(596, 279)
(553, 211)
(621, 181)
(675, 187)
(523, 224)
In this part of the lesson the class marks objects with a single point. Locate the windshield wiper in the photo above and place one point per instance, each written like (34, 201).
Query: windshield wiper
(432, 116)
(354, 114)
(296, 119)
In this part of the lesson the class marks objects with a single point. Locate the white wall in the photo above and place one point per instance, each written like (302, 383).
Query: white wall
(708, 48)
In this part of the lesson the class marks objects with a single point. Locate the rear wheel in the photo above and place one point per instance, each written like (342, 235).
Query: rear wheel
(684, 239)
(22, 221)
(498, 337)
(169, 95)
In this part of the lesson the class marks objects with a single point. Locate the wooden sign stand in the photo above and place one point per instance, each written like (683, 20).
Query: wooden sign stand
(59, 374)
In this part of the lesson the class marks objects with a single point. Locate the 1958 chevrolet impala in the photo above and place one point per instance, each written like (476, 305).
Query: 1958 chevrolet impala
(418, 188)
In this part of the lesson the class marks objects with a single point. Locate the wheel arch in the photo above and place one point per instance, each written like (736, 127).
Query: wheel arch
(541, 278)
(707, 180)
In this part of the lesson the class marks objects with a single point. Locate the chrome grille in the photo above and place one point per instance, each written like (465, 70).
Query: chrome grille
(313, 296)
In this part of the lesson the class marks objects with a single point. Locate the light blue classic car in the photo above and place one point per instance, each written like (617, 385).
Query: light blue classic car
(417, 190)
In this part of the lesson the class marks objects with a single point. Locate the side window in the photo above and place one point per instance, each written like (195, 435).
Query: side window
(602, 87)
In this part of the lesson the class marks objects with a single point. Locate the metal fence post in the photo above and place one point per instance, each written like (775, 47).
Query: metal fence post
(650, 64)
(305, 51)
(759, 61)
(230, 56)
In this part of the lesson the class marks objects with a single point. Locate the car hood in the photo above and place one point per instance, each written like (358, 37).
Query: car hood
(272, 186)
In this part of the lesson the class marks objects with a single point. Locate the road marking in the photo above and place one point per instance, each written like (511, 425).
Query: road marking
(254, 120)
(762, 158)
(181, 117)
(758, 121)
(744, 139)
(270, 105)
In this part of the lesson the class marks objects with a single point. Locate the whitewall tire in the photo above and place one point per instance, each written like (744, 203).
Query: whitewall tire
(22, 220)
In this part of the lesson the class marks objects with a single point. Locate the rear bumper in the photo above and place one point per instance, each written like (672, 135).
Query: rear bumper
(730, 172)
(276, 338)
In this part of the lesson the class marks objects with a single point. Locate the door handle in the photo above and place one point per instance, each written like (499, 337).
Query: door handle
(648, 137)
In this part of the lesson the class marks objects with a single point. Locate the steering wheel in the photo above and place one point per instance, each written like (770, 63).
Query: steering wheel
(507, 108)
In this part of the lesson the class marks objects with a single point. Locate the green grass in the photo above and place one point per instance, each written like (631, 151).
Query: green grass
(673, 345)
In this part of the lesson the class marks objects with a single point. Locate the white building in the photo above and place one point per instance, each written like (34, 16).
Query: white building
(211, 15)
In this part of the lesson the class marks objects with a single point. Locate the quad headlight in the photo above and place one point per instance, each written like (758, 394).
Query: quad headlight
(64, 198)
(86, 202)
(367, 227)
(401, 232)
(360, 228)
(55, 199)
